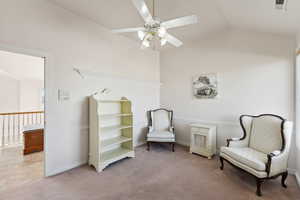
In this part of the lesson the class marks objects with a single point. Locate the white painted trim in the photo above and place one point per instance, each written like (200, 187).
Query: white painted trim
(66, 168)
(99, 75)
(46, 57)
(26, 51)
(297, 178)
(78, 164)
(228, 123)
(140, 144)
(292, 171)
(182, 143)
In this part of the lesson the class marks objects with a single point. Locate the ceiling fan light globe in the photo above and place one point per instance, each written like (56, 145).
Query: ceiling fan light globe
(146, 43)
(141, 35)
(148, 36)
(163, 42)
(162, 32)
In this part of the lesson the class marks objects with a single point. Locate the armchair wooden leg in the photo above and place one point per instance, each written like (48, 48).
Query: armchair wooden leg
(283, 178)
(258, 185)
(148, 146)
(222, 163)
(173, 146)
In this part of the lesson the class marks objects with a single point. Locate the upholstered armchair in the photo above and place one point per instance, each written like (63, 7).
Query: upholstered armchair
(160, 127)
(263, 149)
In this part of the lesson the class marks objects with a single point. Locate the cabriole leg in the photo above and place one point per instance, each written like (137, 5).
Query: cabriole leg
(283, 178)
(222, 163)
(258, 185)
(148, 146)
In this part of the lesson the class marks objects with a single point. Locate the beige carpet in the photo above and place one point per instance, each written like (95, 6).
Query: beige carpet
(17, 169)
(155, 175)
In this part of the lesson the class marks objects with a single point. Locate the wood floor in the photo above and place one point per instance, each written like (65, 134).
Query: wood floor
(17, 170)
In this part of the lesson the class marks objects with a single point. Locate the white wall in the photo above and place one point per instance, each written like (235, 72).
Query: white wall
(297, 120)
(20, 95)
(27, 73)
(68, 41)
(9, 95)
(255, 76)
(31, 95)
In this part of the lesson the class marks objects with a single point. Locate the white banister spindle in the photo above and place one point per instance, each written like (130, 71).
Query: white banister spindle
(13, 124)
(14, 129)
(19, 128)
(8, 129)
(3, 130)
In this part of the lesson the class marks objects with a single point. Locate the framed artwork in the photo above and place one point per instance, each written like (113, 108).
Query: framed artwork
(205, 86)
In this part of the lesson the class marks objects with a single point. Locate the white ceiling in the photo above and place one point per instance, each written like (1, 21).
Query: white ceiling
(260, 15)
(21, 67)
(214, 15)
(115, 14)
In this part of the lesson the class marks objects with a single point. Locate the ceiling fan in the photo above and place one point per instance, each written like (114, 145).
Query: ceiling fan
(154, 28)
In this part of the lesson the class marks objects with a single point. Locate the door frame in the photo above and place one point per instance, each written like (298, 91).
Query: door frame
(46, 57)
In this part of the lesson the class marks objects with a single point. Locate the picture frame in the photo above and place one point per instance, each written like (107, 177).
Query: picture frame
(205, 86)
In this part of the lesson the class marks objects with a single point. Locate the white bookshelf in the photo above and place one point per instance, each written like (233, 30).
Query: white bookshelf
(114, 127)
(110, 131)
(114, 115)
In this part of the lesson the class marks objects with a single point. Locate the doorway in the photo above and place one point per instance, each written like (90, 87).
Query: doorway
(22, 83)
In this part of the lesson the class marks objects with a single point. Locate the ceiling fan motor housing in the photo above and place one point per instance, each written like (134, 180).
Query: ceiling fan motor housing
(153, 26)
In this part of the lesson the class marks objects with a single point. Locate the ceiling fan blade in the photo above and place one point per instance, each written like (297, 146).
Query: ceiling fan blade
(182, 21)
(173, 40)
(127, 30)
(143, 10)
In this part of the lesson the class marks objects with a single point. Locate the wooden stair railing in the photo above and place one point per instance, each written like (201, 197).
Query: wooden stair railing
(11, 126)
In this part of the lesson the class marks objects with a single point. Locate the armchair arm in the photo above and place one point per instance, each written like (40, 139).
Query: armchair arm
(171, 129)
(277, 162)
(236, 142)
(246, 123)
(150, 129)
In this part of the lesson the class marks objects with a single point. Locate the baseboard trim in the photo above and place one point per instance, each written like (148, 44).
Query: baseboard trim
(75, 165)
(182, 143)
(292, 171)
(228, 123)
(298, 178)
(65, 169)
(139, 144)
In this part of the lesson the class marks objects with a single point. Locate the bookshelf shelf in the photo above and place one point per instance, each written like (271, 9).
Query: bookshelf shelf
(115, 140)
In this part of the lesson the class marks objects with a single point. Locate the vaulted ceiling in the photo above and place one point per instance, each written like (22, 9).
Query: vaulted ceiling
(214, 15)
(260, 15)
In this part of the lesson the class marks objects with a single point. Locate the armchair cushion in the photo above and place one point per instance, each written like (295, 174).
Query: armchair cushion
(161, 136)
(247, 156)
(259, 174)
(161, 120)
(266, 134)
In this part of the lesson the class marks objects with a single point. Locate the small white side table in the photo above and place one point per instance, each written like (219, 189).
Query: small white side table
(203, 140)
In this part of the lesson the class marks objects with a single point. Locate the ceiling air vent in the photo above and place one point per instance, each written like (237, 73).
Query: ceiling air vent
(280, 4)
